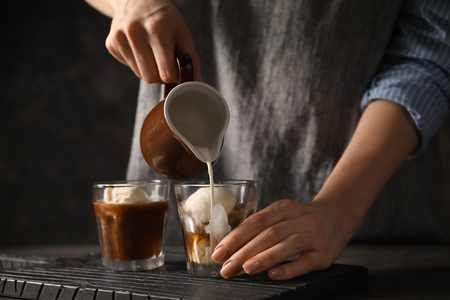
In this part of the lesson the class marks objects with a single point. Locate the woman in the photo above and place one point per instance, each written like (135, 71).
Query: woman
(293, 74)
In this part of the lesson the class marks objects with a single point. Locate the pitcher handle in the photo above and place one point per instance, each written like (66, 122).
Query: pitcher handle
(185, 72)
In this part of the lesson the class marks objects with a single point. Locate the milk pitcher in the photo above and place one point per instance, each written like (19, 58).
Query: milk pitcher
(186, 129)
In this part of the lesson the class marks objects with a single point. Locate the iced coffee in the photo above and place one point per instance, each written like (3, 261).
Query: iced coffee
(206, 222)
(131, 220)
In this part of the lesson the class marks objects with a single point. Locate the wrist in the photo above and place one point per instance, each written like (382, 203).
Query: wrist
(118, 5)
(346, 218)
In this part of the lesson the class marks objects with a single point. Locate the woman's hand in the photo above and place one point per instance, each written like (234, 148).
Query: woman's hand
(278, 232)
(319, 231)
(145, 34)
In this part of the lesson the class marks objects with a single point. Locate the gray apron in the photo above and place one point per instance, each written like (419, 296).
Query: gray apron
(293, 73)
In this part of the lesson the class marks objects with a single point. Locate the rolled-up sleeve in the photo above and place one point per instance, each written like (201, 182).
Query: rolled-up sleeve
(415, 70)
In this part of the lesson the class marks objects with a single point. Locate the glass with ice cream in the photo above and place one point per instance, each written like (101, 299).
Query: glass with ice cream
(207, 214)
(131, 220)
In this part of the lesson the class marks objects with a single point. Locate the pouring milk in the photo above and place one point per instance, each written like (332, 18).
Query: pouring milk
(199, 116)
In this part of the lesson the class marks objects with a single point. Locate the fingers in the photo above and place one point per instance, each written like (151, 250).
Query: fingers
(112, 46)
(186, 45)
(306, 263)
(117, 45)
(144, 56)
(130, 45)
(146, 36)
(280, 231)
(269, 248)
(277, 252)
(163, 46)
(249, 229)
(261, 262)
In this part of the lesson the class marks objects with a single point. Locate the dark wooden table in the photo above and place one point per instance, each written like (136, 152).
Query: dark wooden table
(394, 271)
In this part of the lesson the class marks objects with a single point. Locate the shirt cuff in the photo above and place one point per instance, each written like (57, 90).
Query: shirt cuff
(419, 87)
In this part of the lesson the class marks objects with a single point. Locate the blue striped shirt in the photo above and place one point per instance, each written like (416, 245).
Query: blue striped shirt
(415, 71)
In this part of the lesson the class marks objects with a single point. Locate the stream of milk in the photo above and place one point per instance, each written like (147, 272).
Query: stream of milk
(204, 151)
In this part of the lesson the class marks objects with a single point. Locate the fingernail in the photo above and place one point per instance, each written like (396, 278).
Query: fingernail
(219, 254)
(276, 273)
(252, 266)
(229, 269)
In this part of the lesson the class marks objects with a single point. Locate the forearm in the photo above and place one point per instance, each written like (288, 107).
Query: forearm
(383, 139)
(106, 7)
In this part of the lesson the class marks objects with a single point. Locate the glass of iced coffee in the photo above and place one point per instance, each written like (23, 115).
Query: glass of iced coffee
(208, 214)
(131, 220)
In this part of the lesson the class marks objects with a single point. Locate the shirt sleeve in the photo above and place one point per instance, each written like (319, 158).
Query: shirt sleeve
(415, 71)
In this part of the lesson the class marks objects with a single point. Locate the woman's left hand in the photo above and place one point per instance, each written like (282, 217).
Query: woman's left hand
(282, 230)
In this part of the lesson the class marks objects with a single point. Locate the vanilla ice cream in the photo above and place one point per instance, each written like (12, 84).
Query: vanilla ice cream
(128, 195)
(200, 217)
(198, 205)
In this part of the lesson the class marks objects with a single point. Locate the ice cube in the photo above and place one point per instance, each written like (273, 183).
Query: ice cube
(218, 226)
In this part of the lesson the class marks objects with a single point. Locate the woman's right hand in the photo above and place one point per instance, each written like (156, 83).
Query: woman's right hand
(145, 34)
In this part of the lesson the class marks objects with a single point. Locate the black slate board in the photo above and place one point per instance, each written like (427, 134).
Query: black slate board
(84, 278)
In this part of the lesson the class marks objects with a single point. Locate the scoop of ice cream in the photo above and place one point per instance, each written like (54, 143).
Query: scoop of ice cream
(198, 205)
(125, 195)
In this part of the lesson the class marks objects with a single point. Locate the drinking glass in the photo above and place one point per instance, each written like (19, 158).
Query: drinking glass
(131, 221)
(194, 210)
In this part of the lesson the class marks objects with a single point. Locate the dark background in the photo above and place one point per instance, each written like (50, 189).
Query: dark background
(67, 112)
(66, 119)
